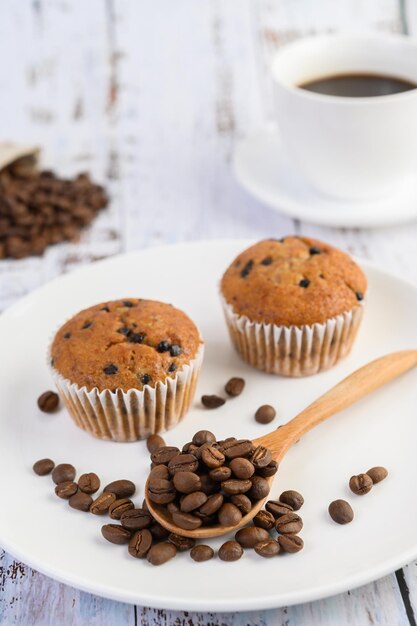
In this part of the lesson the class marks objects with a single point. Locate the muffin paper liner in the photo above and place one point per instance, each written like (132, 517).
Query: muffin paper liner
(135, 414)
(293, 350)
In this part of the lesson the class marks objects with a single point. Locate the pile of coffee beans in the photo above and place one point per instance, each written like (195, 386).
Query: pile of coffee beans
(210, 482)
(38, 209)
(341, 511)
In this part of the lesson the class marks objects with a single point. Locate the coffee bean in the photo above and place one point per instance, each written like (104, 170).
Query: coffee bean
(212, 505)
(135, 519)
(66, 489)
(290, 543)
(182, 463)
(43, 467)
(234, 387)
(234, 486)
(269, 470)
(118, 507)
(154, 442)
(121, 488)
(186, 482)
(229, 515)
(293, 498)
(115, 533)
(265, 414)
(219, 474)
(267, 548)
(161, 491)
(160, 553)
(251, 535)
(187, 521)
(189, 447)
(172, 507)
(230, 551)
(140, 543)
(202, 553)
(260, 488)
(261, 457)
(341, 512)
(203, 436)
(159, 471)
(212, 402)
(376, 474)
(198, 453)
(158, 532)
(208, 485)
(163, 455)
(89, 483)
(193, 501)
(242, 502)
(242, 468)
(289, 524)
(237, 448)
(80, 501)
(278, 508)
(101, 504)
(63, 472)
(361, 484)
(212, 457)
(265, 520)
(181, 543)
(48, 402)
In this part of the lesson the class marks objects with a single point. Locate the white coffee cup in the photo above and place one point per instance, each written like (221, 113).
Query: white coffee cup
(344, 146)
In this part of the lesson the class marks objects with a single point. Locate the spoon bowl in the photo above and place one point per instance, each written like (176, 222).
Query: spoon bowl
(352, 388)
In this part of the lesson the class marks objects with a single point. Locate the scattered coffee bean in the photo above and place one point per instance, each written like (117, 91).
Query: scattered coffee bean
(63, 472)
(48, 402)
(66, 489)
(101, 505)
(121, 488)
(140, 543)
(89, 483)
(251, 535)
(118, 507)
(80, 501)
(267, 548)
(376, 474)
(115, 533)
(230, 551)
(278, 508)
(212, 402)
(290, 543)
(293, 498)
(265, 520)
(136, 519)
(229, 514)
(158, 532)
(234, 387)
(289, 524)
(202, 553)
(265, 414)
(43, 467)
(203, 436)
(360, 484)
(341, 512)
(161, 553)
(242, 468)
(181, 543)
(154, 442)
(187, 521)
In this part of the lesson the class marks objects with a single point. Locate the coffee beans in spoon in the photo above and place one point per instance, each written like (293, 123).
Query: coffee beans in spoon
(211, 482)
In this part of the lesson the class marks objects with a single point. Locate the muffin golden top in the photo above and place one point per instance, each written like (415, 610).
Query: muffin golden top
(293, 281)
(124, 344)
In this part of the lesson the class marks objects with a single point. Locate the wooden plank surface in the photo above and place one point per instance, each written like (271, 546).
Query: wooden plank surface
(151, 97)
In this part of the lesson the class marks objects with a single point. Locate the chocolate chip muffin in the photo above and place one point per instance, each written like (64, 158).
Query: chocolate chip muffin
(293, 305)
(127, 368)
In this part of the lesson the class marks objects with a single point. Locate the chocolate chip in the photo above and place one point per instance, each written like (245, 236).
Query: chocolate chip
(304, 282)
(110, 369)
(67, 335)
(246, 270)
(87, 325)
(267, 260)
(172, 367)
(124, 330)
(128, 304)
(48, 402)
(105, 308)
(212, 402)
(145, 379)
(359, 296)
(314, 250)
(175, 350)
(163, 346)
(136, 337)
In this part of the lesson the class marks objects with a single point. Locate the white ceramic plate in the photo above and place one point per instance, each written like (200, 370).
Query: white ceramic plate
(43, 531)
(263, 167)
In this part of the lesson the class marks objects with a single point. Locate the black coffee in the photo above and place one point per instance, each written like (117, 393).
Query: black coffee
(358, 85)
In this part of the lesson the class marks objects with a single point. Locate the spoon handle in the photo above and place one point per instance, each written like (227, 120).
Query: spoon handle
(352, 388)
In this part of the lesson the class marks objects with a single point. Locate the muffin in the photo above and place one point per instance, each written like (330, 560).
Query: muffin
(128, 368)
(293, 305)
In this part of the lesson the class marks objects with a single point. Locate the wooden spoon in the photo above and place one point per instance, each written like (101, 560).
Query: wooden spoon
(349, 390)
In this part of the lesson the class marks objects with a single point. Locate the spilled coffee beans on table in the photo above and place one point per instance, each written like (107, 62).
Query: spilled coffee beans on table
(209, 482)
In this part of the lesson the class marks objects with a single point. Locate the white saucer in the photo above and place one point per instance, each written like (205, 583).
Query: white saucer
(263, 167)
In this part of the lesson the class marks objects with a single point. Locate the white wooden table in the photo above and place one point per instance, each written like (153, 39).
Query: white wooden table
(151, 96)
